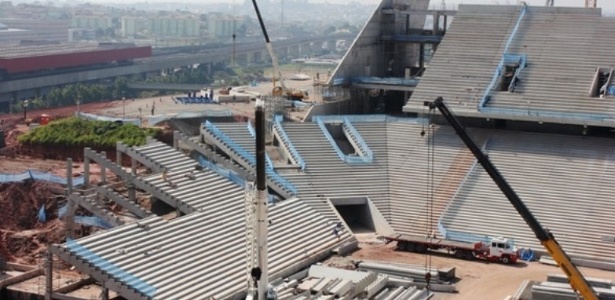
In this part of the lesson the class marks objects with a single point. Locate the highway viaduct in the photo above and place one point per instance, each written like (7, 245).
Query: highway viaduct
(12, 90)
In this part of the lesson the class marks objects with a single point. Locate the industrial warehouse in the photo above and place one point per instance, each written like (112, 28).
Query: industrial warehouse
(415, 177)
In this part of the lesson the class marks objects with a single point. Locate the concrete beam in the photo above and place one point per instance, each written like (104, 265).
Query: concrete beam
(73, 286)
(96, 210)
(153, 165)
(85, 267)
(125, 203)
(388, 87)
(22, 277)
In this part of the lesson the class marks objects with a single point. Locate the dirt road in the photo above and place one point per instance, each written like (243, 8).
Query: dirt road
(478, 279)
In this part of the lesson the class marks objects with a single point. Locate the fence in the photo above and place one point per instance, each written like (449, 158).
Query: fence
(87, 116)
(90, 221)
(278, 125)
(38, 175)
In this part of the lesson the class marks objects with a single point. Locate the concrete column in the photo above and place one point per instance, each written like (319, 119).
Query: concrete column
(104, 292)
(132, 193)
(436, 23)
(421, 55)
(48, 274)
(86, 168)
(69, 176)
(103, 170)
(176, 139)
(118, 156)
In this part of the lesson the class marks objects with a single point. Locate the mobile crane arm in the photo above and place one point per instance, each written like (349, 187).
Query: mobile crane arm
(577, 281)
(274, 58)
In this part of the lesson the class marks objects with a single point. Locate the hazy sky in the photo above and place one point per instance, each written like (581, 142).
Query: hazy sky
(607, 5)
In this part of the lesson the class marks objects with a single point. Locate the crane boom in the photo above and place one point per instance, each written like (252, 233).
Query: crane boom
(577, 281)
(274, 58)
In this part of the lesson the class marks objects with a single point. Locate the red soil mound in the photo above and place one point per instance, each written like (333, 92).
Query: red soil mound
(22, 237)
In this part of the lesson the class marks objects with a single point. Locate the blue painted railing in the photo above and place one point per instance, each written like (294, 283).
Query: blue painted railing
(443, 231)
(560, 116)
(366, 153)
(253, 134)
(107, 267)
(370, 118)
(325, 131)
(466, 237)
(226, 173)
(277, 123)
(521, 61)
(500, 68)
(349, 159)
(251, 159)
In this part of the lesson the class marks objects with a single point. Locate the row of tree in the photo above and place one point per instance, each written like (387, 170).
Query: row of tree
(84, 93)
(78, 93)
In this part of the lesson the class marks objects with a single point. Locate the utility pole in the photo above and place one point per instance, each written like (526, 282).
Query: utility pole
(282, 15)
(234, 34)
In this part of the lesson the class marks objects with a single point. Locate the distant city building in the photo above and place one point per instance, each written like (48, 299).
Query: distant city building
(174, 27)
(224, 26)
(129, 26)
(91, 22)
(17, 30)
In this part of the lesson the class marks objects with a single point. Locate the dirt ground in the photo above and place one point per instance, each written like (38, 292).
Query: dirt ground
(23, 239)
(477, 279)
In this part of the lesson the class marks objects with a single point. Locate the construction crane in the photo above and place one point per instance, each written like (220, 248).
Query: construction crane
(577, 281)
(281, 90)
(277, 91)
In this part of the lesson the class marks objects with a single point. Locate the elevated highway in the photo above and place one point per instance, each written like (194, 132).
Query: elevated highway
(249, 52)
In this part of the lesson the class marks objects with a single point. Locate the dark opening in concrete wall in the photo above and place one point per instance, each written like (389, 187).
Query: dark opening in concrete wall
(356, 213)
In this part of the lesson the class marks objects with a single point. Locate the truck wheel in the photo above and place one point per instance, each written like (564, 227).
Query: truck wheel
(469, 255)
(505, 260)
(410, 247)
(401, 246)
(460, 254)
(420, 248)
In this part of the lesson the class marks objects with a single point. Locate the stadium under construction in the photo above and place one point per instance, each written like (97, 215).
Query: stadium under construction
(533, 83)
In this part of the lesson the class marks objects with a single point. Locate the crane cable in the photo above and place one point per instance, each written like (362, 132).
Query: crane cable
(429, 192)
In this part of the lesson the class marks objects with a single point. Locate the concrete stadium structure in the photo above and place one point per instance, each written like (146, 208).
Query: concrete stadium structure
(372, 172)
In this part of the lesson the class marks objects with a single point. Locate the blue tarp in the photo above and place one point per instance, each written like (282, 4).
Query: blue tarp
(194, 100)
(41, 215)
(90, 221)
(38, 175)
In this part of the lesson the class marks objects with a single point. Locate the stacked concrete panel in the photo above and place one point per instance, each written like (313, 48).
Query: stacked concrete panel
(201, 254)
(564, 48)
(327, 176)
(565, 181)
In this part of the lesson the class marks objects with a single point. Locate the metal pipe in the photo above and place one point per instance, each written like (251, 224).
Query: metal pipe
(261, 200)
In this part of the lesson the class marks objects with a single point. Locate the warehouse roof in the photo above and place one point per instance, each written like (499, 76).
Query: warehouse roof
(52, 49)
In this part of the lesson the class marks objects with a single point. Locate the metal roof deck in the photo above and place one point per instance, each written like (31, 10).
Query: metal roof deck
(42, 50)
